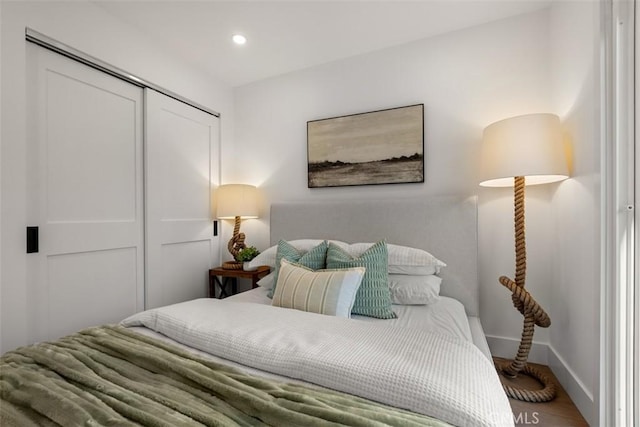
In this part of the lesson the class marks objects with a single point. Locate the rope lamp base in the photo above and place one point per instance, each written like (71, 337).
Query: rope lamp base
(232, 265)
(545, 394)
(533, 313)
(235, 245)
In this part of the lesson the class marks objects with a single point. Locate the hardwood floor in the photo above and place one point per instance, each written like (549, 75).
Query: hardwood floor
(560, 412)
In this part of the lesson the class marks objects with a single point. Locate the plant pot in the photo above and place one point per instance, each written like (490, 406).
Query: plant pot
(246, 267)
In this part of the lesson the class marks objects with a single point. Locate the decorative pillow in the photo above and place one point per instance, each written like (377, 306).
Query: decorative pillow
(402, 259)
(414, 290)
(268, 256)
(373, 298)
(313, 259)
(331, 292)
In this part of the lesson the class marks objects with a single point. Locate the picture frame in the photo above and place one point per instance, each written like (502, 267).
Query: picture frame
(372, 148)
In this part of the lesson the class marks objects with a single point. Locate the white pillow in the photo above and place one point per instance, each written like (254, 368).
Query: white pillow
(415, 270)
(414, 290)
(267, 281)
(402, 259)
(268, 256)
(330, 292)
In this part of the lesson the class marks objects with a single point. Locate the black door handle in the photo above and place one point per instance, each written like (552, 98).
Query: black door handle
(32, 240)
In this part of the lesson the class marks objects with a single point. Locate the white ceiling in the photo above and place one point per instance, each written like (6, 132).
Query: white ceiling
(285, 36)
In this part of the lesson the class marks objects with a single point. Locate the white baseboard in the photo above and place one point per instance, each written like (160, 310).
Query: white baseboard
(544, 354)
(582, 398)
(508, 347)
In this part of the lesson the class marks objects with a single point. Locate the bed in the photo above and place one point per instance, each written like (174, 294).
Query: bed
(241, 361)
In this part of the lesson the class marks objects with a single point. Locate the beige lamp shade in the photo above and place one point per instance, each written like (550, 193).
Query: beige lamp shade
(237, 200)
(530, 146)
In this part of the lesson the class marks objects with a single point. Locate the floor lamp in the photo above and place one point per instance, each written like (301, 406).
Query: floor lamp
(519, 151)
(237, 202)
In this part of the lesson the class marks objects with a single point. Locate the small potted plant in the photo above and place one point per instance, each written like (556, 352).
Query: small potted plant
(247, 254)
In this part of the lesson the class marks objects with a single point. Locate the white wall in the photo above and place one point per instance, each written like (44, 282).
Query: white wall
(90, 29)
(467, 80)
(575, 288)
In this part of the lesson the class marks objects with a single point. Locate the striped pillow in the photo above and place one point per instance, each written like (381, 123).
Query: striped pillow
(314, 259)
(373, 298)
(331, 292)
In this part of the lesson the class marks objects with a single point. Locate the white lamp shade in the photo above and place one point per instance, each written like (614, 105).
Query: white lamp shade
(530, 146)
(237, 200)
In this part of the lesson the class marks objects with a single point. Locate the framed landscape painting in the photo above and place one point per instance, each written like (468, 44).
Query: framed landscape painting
(379, 147)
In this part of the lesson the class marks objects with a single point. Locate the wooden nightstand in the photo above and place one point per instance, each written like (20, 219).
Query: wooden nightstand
(231, 277)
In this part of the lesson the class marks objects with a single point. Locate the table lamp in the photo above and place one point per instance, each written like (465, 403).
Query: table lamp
(519, 151)
(237, 202)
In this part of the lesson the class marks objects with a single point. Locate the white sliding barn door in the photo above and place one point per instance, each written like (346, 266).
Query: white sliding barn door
(85, 192)
(181, 146)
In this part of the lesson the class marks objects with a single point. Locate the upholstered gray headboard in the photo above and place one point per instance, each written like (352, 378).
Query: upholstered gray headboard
(445, 226)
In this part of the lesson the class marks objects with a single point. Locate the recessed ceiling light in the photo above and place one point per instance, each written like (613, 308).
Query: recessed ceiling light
(239, 39)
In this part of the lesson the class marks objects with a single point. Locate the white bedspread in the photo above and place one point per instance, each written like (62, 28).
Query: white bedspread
(424, 372)
(446, 315)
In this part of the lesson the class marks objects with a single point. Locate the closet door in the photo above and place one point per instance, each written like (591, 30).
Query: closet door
(85, 194)
(181, 146)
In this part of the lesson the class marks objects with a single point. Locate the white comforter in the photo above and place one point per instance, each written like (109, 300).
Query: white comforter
(424, 372)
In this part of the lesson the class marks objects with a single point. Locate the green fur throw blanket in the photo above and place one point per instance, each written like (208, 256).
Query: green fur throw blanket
(111, 376)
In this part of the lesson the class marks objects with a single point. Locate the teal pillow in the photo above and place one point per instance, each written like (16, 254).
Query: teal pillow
(314, 259)
(373, 298)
